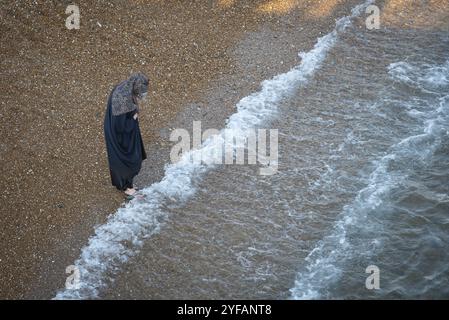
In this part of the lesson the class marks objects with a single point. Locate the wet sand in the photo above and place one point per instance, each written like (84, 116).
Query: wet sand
(55, 83)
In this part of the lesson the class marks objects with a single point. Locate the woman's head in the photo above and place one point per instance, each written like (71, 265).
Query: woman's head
(126, 95)
(140, 85)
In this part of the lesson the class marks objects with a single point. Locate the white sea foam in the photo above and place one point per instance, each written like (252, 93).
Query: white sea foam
(426, 78)
(324, 264)
(123, 234)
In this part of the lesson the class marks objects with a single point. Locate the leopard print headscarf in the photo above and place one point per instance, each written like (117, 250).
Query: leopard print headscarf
(125, 93)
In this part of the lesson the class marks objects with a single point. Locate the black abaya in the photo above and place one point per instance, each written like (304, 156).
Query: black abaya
(124, 146)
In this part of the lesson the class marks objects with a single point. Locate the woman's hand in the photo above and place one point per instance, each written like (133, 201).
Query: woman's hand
(135, 116)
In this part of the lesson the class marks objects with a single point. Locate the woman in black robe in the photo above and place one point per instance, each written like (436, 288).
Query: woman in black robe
(122, 133)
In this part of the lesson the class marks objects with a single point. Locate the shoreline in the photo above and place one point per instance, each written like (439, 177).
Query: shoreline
(53, 244)
(258, 56)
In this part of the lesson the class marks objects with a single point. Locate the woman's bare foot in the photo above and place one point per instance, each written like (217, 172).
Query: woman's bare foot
(130, 191)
